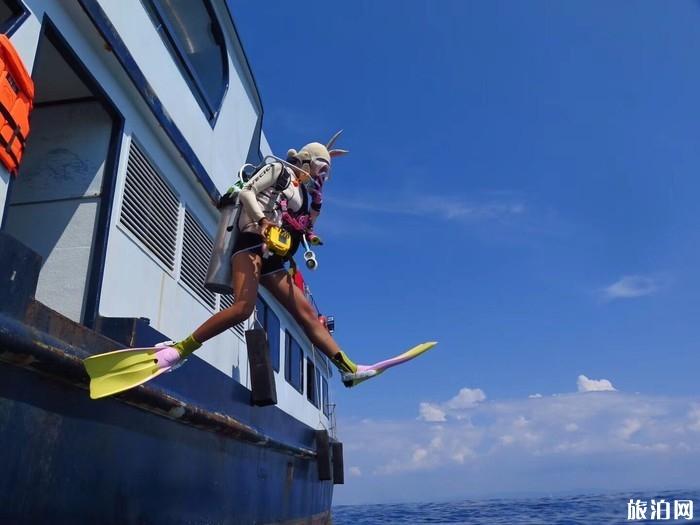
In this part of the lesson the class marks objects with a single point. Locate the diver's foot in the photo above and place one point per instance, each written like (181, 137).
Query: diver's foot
(168, 356)
(363, 373)
(344, 363)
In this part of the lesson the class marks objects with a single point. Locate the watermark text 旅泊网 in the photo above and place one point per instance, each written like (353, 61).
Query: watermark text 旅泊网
(659, 509)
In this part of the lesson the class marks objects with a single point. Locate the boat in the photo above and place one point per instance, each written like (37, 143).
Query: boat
(143, 110)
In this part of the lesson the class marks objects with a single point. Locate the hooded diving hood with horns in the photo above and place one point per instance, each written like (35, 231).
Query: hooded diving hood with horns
(316, 150)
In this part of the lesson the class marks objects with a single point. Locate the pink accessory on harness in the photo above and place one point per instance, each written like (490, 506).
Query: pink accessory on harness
(301, 223)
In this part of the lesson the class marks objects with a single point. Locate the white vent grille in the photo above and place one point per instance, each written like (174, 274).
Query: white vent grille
(226, 301)
(150, 209)
(196, 251)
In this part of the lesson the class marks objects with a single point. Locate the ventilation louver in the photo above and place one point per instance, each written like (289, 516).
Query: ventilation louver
(150, 208)
(226, 301)
(196, 251)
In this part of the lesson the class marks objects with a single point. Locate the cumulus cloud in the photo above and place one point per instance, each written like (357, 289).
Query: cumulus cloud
(632, 286)
(593, 385)
(556, 441)
(431, 412)
(630, 426)
(694, 418)
(355, 471)
(465, 399)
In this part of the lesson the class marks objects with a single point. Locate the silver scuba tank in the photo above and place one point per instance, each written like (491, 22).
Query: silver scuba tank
(218, 278)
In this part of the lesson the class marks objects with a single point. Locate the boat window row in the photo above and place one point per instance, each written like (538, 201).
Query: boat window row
(295, 365)
(297, 368)
(192, 33)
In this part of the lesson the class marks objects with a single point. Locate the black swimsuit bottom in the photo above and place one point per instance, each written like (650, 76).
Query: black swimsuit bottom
(252, 242)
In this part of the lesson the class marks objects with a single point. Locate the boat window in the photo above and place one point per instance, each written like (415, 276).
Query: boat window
(294, 363)
(326, 406)
(311, 384)
(11, 13)
(271, 324)
(194, 37)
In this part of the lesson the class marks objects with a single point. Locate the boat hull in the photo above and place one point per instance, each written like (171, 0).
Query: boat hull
(73, 460)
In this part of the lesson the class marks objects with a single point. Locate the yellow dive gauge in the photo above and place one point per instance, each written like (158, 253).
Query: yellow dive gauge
(278, 240)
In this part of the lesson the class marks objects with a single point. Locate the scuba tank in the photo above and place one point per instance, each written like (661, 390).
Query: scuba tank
(218, 278)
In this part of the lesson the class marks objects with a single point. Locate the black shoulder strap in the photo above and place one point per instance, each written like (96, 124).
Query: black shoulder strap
(283, 180)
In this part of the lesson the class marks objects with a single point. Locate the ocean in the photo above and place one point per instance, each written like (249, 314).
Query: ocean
(570, 510)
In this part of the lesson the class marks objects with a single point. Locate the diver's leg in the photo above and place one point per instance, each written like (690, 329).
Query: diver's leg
(281, 285)
(246, 275)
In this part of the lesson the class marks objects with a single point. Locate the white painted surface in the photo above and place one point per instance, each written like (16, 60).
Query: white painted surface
(62, 233)
(54, 201)
(53, 79)
(65, 153)
(221, 150)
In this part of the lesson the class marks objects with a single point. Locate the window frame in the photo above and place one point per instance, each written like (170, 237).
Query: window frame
(19, 14)
(263, 310)
(312, 391)
(289, 341)
(165, 30)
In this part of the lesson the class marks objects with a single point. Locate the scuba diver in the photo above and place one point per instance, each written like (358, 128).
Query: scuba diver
(279, 206)
(277, 196)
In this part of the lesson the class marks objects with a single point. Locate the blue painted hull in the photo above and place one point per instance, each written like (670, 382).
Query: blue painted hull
(68, 459)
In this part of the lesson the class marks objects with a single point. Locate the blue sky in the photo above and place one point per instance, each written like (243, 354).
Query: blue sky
(521, 187)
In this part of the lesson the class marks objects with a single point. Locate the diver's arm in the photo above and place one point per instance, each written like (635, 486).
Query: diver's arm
(264, 179)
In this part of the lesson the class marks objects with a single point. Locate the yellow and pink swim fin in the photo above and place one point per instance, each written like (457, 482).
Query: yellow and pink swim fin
(365, 372)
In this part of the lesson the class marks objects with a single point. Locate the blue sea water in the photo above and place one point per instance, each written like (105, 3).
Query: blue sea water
(570, 510)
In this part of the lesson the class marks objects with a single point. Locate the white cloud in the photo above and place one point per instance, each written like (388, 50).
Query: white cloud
(535, 396)
(466, 398)
(355, 471)
(593, 385)
(419, 455)
(430, 412)
(631, 286)
(694, 419)
(630, 426)
(562, 442)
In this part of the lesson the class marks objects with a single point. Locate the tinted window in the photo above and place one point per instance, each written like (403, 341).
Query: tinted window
(311, 384)
(269, 321)
(193, 35)
(294, 363)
